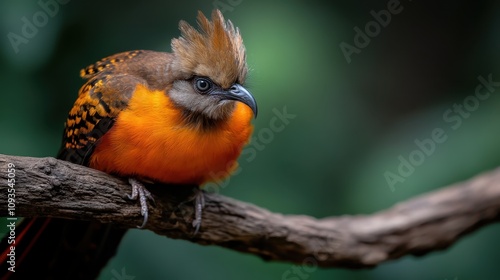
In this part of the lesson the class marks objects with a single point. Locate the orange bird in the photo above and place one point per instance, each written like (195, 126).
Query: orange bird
(171, 118)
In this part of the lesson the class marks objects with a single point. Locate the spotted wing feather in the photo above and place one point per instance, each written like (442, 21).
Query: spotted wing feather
(99, 102)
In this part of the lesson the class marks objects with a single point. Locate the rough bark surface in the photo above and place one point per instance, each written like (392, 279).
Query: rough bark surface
(52, 188)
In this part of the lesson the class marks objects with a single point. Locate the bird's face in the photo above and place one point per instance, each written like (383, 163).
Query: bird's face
(212, 64)
(201, 95)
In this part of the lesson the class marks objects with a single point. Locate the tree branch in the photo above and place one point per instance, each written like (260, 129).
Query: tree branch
(52, 188)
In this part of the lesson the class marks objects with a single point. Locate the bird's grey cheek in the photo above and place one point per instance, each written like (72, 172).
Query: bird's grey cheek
(181, 93)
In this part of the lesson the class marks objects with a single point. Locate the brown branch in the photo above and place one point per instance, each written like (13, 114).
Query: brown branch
(49, 187)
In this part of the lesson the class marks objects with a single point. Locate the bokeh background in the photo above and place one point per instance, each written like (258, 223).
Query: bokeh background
(353, 120)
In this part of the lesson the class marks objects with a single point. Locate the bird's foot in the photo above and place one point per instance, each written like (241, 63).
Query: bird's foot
(199, 204)
(139, 190)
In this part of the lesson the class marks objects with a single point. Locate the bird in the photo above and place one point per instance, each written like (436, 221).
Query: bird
(180, 117)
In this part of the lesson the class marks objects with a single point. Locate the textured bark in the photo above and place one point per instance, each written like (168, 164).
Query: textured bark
(50, 187)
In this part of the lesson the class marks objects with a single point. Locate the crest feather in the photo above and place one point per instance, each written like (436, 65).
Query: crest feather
(215, 51)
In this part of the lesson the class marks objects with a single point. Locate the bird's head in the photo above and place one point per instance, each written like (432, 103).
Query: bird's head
(211, 66)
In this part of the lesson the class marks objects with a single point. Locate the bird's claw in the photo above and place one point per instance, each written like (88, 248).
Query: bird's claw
(140, 191)
(199, 204)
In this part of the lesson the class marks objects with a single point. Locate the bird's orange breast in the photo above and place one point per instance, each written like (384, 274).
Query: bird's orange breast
(150, 139)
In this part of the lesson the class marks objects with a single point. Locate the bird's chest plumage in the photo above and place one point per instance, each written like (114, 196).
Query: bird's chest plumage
(151, 139)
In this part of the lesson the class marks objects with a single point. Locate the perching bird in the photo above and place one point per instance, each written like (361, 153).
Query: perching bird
(172, 118)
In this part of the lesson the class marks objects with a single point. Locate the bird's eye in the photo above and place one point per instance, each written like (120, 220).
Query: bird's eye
(202, 85)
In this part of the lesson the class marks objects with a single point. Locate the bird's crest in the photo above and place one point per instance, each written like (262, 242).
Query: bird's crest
(215, 51)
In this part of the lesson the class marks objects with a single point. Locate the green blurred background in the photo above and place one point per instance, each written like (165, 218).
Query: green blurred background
(353, 120)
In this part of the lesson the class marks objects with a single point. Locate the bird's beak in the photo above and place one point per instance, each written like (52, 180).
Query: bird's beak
(239, 93)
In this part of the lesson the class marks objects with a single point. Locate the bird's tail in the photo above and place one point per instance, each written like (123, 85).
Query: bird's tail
(50, 248)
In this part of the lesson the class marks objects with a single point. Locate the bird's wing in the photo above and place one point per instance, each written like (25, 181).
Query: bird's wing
(99, 102)
(109, 64)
